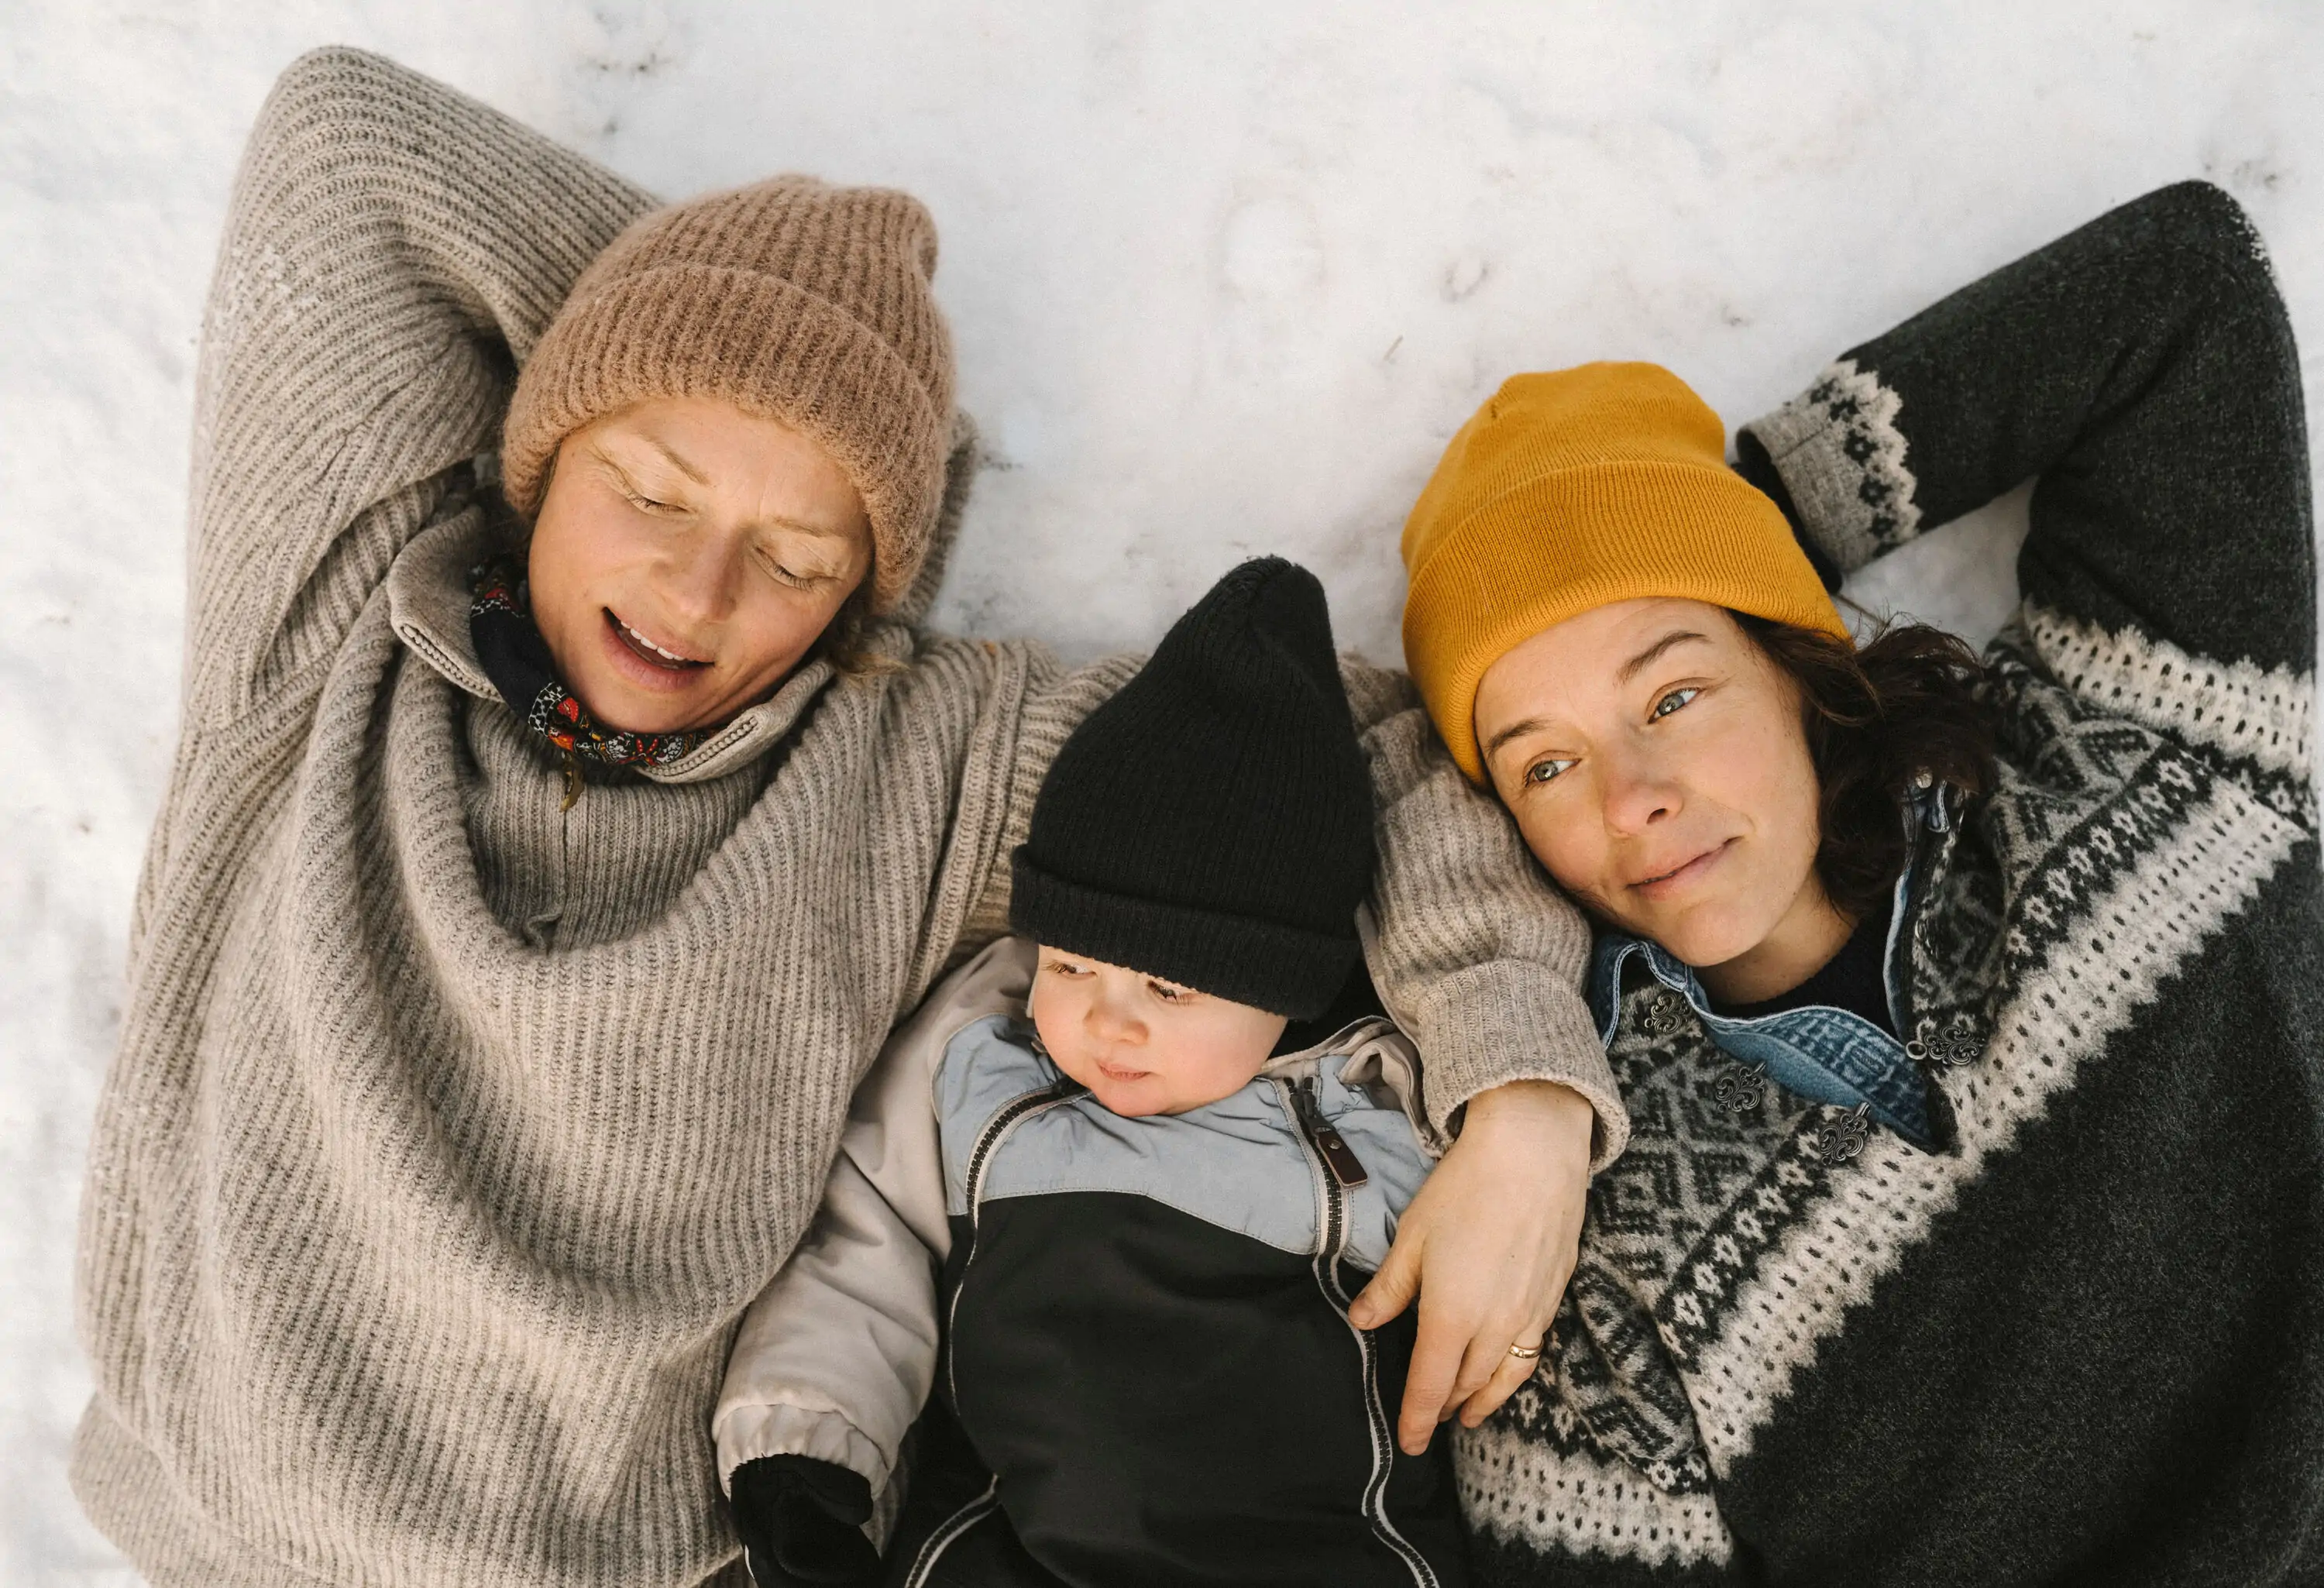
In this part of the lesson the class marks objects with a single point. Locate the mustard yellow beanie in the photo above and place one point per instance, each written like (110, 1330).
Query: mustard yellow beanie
(793, 299)
(1570, 490)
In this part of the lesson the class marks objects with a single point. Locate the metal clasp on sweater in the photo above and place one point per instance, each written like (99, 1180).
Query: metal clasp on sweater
(1949, 1049)
(1844, 1138)
(1663, 1018)
(1740, 1087)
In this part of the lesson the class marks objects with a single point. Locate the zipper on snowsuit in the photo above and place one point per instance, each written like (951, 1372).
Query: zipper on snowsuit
(1338, 1172)
(979, 1158)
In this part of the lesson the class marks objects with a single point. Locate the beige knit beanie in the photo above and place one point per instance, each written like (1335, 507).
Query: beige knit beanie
(791, 299)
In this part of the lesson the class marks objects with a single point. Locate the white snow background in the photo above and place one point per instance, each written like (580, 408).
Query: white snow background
(1222, 278)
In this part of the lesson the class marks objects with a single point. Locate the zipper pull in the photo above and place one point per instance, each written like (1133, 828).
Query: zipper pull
(572, 781)
(1340, 1158)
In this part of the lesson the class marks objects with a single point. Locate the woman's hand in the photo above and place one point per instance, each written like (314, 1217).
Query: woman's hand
(1487, 1245)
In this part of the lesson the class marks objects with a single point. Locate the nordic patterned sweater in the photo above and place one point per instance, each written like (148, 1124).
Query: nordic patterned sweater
(451, 1131)
(2083, 1341)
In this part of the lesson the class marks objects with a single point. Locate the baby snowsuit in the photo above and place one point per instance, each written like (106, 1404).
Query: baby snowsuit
(1138, 1324)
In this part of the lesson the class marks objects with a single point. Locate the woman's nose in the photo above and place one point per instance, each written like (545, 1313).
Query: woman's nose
(1638, 794)
(701, 576)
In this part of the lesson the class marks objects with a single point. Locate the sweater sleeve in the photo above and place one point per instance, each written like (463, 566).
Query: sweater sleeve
(392, 249)
(2143, 367)
(1477, 956)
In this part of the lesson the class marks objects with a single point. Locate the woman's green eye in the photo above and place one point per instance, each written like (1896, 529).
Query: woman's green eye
(1673, 700)
(1542, 771)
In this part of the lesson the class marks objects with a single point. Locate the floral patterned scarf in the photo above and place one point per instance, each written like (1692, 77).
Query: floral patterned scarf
(516, 659)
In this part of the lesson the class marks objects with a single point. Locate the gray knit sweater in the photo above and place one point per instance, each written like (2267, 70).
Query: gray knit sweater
(450, 1133)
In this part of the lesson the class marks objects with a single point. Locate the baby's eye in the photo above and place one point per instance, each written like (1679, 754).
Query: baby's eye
(1673, 701)
(1542, 771)
(1169, 994)
(1066, 968)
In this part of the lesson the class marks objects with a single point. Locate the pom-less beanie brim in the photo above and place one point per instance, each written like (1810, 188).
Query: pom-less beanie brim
(1267, 964)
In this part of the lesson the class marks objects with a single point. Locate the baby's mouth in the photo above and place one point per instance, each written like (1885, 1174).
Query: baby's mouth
(647, 651)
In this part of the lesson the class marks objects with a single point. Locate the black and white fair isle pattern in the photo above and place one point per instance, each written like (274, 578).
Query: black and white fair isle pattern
(2146, 795)
(2263, 721)
(1842, 460)
(2108, 854)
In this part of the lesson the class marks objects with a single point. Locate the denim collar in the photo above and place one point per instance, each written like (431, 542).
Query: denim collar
(1816, 1052)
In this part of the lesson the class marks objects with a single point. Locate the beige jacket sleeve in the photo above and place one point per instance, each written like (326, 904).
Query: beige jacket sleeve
(836, 1356)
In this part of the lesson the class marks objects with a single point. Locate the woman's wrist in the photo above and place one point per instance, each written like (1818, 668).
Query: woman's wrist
(1541, 1104)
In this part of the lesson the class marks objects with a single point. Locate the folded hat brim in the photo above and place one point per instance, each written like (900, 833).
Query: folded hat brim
(1283, 969)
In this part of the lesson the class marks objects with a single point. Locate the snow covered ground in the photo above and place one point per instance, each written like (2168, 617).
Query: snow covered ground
(1223, 277)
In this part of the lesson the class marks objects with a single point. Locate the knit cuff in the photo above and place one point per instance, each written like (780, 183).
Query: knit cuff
(1490, 1024)
(1282, 969)
(1759, 470)
(1841, 460)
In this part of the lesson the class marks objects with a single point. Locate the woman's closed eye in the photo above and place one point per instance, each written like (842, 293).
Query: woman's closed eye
(795, 561)
(798, 579)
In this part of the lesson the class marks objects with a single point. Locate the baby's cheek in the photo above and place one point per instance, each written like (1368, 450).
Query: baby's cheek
(1052, 1018)
(1197, 1078)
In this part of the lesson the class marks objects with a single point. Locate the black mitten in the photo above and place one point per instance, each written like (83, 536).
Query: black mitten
(802, 1522)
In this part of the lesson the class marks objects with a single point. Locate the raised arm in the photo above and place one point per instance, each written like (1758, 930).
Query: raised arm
(2143, 367)
(392, 249)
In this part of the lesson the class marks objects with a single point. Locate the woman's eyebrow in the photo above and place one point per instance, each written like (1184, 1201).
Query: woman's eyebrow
(1523, 726)
(1629, 670)
(675, 462)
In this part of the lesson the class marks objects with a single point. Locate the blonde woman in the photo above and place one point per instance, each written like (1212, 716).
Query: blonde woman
(545, 862)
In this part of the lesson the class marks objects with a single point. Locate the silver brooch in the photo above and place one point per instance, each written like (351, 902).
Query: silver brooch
(1740, 1087)
(1844, 1137)
(1662, 1016)
(1950, 1049)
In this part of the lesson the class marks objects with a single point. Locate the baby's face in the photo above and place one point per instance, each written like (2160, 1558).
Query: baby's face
(1142, 1045)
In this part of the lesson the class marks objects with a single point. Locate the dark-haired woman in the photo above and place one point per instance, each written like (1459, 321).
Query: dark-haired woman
(1971, 1017)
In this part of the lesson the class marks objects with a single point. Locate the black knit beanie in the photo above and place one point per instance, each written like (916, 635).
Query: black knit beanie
(1212, 823)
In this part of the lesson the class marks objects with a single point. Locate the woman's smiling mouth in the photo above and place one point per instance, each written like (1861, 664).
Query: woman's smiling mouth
(1681, 877)
(644, 663)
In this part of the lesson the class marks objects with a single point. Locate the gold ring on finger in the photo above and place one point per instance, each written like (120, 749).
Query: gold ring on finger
(1525, 1352)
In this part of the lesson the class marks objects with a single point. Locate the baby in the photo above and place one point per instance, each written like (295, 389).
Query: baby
(1109, 1191)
